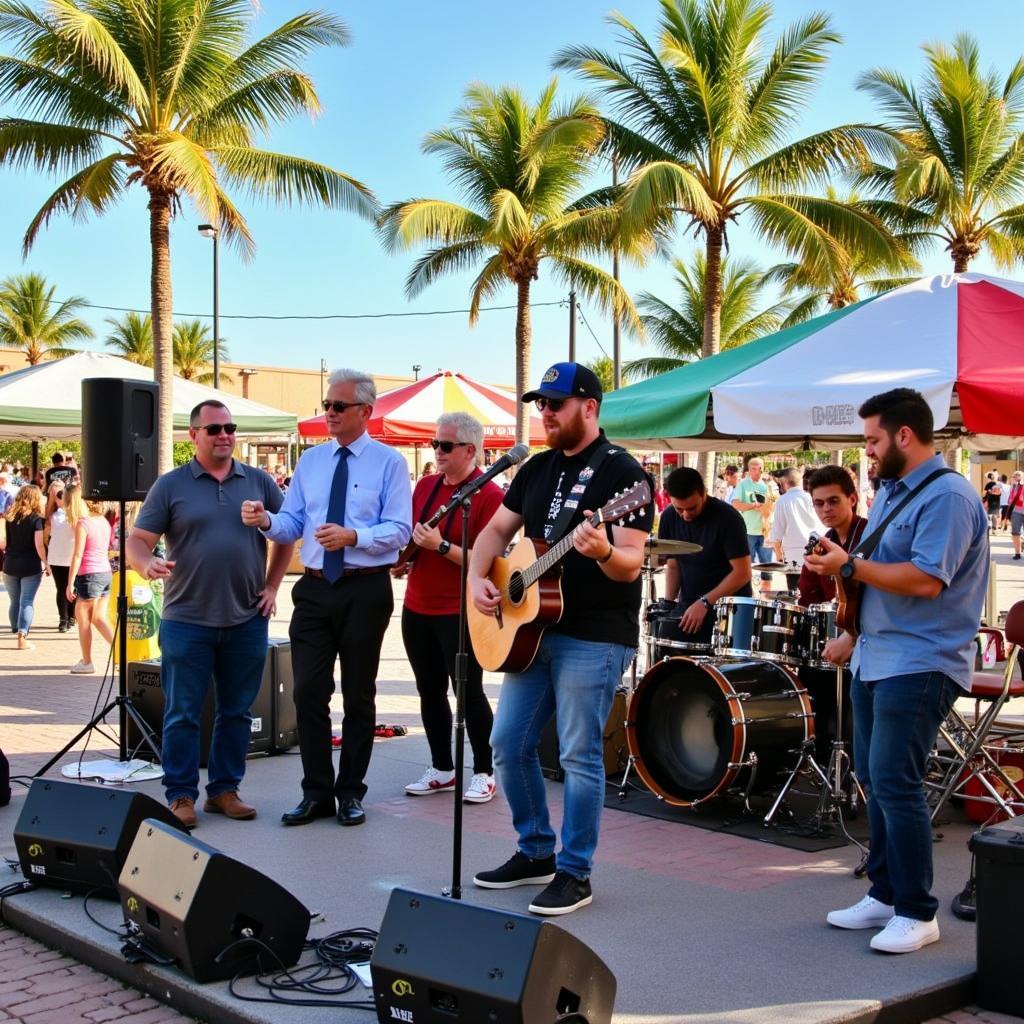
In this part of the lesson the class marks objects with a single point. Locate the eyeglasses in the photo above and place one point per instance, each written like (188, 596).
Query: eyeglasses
(213, 429)
(554, 404)
(340, 406)
(448, 446)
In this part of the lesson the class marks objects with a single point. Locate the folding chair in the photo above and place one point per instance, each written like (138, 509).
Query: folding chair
(969, 751)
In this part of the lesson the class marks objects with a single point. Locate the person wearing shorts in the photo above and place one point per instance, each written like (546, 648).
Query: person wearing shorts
(89, 574)
(1015, 503)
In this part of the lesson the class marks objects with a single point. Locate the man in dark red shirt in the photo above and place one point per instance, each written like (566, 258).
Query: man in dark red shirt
(430, 612)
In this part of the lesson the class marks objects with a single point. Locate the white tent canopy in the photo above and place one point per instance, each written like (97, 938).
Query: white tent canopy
(44, 402)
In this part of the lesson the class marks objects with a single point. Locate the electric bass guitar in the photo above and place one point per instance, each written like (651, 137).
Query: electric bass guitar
(531, 591)
(847, 591)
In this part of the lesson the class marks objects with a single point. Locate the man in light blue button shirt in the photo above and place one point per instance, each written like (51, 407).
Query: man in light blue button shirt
(343, 603)
(923, 590)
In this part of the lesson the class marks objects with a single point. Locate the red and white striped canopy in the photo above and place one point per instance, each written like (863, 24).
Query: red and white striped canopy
(408, 415)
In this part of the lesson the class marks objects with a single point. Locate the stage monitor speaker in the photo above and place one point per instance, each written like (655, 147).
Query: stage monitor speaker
(285, 723)
(119, 449)
(442, 961)
(191, 902)
(75, 836)
(5, 780)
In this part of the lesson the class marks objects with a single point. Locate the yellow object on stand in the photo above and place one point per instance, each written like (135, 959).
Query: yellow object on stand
(145, 600)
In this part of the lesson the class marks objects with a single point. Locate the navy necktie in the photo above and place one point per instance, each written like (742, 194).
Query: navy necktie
(334, 561)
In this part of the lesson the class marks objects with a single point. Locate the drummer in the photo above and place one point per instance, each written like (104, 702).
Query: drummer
(834, 497)
(720, 569)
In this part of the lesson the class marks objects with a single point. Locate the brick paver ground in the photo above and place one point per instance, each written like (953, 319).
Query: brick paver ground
(42, 707)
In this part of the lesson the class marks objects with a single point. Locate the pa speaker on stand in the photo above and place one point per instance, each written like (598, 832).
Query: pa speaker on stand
(119, 445)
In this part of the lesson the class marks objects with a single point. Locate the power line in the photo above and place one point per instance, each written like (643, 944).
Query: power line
(579, 310)
(312, 316)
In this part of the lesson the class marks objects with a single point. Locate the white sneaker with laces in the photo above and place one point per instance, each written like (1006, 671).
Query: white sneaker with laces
(905, 934)
(432, 781)
(482, 788)
(82, 668)
(868, 913)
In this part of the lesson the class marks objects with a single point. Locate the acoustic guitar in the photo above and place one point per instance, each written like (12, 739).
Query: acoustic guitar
(531, 591)
(847, 591)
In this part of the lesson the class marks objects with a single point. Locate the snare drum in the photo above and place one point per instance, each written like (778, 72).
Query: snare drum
(664, 637)
(748, 627)
(822, 622)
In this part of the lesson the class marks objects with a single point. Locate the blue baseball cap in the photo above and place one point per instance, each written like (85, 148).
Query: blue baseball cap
(567, 380)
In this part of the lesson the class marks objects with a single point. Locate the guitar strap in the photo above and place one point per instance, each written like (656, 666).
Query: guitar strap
(573, 500)
(866, 547)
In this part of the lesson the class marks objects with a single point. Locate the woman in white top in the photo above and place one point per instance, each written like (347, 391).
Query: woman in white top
(59, 539)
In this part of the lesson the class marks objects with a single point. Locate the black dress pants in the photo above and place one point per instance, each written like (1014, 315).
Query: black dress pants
(345, 620)
(431, 642)
(65, 610)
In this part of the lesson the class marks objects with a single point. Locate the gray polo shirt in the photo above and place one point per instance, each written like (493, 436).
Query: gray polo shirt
(220, 564)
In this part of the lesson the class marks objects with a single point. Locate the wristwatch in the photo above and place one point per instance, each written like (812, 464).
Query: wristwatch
(707, 604)
(846, 569)
(444, 547)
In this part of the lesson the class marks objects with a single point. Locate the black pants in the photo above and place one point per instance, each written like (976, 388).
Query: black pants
(347, 620)
(431, 642)
(65, 611)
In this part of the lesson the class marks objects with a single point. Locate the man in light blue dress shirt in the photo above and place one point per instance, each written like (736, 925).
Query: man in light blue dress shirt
(923, 590)
(351, 503)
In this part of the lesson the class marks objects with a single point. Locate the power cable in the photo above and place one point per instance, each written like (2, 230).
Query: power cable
(591, 329)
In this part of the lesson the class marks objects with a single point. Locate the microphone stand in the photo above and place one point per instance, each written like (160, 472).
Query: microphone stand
(461, 675)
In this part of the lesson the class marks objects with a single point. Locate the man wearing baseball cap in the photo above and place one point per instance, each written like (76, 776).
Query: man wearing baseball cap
(582, 657)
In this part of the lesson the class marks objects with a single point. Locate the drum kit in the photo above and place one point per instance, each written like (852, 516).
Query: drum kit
(733, 717)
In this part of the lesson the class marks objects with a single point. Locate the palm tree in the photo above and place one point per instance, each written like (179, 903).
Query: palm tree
(519, 165)
(815, 285)
(165, 95)
(961, 162)
(132, 337)
(32, 320)
(677, 331)
(701, 122)
(193, 352)
(604, 370)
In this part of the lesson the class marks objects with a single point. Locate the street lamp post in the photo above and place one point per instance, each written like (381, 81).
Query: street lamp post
(209, 231)
(416, 367)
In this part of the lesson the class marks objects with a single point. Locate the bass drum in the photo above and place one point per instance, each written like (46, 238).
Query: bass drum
(698, 728)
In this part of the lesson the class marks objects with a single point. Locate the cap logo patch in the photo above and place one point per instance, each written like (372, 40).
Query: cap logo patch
(550, 377)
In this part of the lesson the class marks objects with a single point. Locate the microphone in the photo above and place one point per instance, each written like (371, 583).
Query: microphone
(511, 458)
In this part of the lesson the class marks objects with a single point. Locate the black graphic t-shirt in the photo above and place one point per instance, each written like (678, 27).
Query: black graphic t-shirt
(596, 608)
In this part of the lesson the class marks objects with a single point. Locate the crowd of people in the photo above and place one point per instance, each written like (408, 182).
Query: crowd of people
(221, 533)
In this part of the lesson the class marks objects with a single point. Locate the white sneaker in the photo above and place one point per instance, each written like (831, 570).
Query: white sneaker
(482, 788)
(83, 668)
(432, 781)
(869, 913)
(905, 934)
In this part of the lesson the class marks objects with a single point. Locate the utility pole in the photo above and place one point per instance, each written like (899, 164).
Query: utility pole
(572, 325)
(616, 339)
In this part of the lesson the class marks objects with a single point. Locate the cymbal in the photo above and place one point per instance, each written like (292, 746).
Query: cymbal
(775, 567)
(666, 548)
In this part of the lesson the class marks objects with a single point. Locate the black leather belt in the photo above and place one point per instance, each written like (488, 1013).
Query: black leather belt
(368, 570)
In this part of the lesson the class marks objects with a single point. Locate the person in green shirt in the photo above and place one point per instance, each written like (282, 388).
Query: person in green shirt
(749, 498)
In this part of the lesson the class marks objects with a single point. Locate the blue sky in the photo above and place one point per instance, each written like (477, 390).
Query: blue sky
(402, 76)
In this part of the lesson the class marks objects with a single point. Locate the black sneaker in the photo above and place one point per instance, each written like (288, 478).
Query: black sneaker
(517, 870)
(565, 894)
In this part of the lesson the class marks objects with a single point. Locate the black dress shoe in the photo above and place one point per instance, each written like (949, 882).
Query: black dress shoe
(350, 811)
(307, 811)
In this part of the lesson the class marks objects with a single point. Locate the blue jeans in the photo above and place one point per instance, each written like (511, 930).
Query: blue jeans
(578, 679)
(22, 592)
(895, 724)
(234, 656)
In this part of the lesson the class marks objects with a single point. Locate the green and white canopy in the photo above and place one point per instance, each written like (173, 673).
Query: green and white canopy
(958, 339)
(44, 402)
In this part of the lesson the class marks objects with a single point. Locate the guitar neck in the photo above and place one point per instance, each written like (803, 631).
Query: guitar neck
(548, 560)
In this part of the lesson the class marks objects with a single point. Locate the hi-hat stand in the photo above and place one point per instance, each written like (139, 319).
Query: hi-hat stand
(122, 702)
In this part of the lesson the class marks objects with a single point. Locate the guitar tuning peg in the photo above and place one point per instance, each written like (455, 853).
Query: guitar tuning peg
(632, 516)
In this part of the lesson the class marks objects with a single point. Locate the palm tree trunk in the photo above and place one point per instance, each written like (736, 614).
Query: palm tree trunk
(960, 264)
(524, 334)
(163, 323)
(712, 328)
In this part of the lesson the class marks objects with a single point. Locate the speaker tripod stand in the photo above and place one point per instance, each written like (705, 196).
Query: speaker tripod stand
(122, 702)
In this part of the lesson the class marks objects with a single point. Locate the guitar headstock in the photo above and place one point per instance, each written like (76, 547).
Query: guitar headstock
(623, 505)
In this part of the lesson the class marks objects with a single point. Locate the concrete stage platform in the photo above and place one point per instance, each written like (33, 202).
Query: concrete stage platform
(696, 926)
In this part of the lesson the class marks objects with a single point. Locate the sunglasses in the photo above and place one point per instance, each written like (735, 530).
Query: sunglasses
(554, 404)
(339, 406)
(213, 429)
(448, 446)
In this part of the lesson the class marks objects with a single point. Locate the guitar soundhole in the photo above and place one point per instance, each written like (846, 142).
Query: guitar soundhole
(516, 590)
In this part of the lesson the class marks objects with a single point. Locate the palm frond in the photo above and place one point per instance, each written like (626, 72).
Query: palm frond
(658, 187)
(601, 288)
(435, 263)
(415, 221)
(42, 146)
